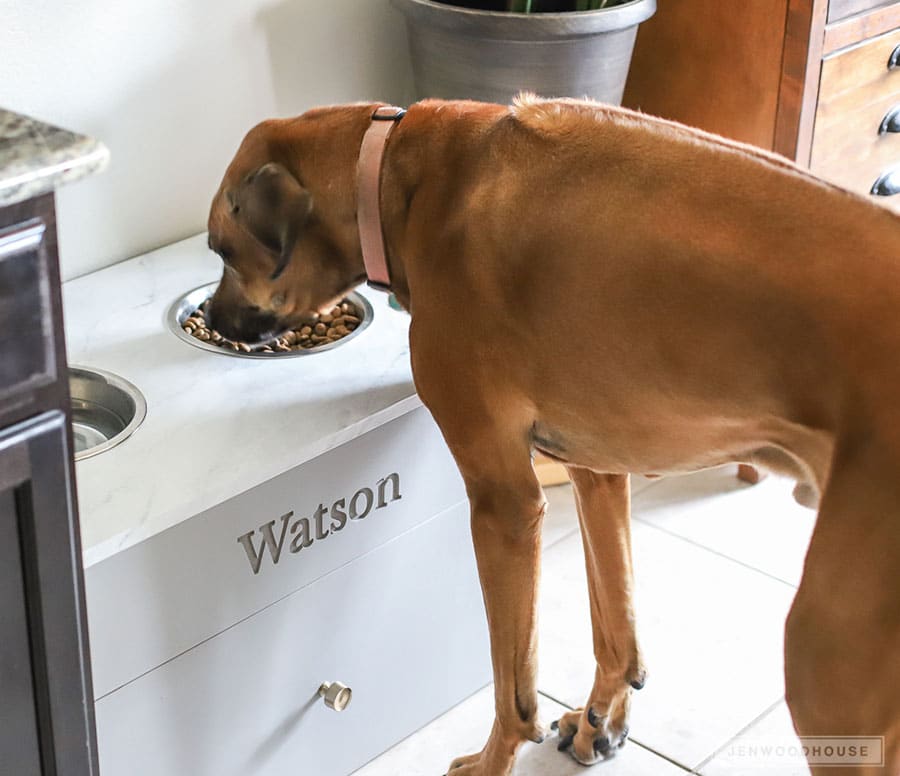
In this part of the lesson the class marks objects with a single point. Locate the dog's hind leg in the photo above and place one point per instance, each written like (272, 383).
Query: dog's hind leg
(598, 730)
(842, 637)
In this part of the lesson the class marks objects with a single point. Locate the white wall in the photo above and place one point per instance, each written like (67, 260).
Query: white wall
(171, 86)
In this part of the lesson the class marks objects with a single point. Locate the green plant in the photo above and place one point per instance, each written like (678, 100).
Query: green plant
(529, 6)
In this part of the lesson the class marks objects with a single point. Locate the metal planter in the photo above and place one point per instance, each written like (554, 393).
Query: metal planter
(460, 53)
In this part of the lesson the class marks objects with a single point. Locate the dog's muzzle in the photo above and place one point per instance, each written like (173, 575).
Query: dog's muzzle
(244, 324)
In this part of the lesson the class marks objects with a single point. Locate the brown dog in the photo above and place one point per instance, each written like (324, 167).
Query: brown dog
(741, 310)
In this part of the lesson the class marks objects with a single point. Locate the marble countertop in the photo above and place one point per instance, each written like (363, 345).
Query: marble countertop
(36, 157)
(216, 425)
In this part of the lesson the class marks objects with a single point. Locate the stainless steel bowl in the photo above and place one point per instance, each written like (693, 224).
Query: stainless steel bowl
(185, 305)
(106, 410)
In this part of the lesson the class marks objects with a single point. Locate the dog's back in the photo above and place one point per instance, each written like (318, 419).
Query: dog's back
(649, 260)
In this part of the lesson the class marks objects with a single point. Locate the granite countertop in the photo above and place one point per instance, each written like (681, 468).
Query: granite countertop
(36, 157)
(216, 425)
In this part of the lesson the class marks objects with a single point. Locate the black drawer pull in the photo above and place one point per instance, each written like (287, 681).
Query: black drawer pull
(891, 121)
(894, 59)
(887, 184)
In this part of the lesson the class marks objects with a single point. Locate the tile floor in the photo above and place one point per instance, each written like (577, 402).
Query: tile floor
(716, 563)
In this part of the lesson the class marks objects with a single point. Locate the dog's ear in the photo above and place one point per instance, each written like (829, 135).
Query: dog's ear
(272, 205)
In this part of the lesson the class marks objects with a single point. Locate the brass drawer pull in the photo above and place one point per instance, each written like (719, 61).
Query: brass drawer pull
(336, 695)
(888, 184)
(894, 59)
(891, 121)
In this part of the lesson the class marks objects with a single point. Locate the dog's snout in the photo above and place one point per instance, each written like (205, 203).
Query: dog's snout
(243, 324)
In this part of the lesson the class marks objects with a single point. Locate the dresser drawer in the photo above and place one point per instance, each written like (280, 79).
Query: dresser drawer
(857, 91)
(842, 9)
(403, 627)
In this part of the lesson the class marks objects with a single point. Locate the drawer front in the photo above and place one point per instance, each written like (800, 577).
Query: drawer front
(45, 684)
(842, 9)
(403, 627)
(26, 322)
(857, 92)
(169, 593)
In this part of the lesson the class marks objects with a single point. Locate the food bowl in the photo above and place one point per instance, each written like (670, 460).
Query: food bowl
(185, 305)
(106, 410)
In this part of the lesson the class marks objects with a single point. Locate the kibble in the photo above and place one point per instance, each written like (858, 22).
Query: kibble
(317, 330)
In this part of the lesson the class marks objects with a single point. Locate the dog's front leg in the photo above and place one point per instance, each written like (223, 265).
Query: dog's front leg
(506, 530)
(601, 727)
(507, 509)
(488, 430)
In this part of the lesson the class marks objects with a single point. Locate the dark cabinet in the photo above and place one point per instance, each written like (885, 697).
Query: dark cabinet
(46, 697)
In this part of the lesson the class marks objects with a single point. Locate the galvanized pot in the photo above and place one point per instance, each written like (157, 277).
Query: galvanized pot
(460, 53)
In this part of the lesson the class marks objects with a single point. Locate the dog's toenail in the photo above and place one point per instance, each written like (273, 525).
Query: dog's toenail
(601, 745)
(623, 738)
(593, 718)
(554, 725)
(637, 684)
(565, 743)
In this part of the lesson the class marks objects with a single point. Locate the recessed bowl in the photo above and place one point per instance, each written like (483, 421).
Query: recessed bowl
(185, 305)
(106, 410)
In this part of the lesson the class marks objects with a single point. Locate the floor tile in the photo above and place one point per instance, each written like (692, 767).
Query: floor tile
(711, 631)
(758, 525)
(769, 746)
(464, 729)
(562, 518)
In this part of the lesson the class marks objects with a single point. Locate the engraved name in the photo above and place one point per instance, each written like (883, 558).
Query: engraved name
(305, 531)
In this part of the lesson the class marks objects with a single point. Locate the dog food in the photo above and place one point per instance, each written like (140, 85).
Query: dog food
(321, 329)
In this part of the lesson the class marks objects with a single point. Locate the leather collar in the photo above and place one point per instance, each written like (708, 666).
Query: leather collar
(368, 205)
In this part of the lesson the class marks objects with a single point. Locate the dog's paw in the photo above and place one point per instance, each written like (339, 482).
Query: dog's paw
(479, 765)
(469, 762)
(590, 736)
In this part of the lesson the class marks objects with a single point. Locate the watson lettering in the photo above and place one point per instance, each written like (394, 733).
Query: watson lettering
(305, 531)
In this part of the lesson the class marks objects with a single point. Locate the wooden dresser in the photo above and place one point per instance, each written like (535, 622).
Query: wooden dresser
(815, 80)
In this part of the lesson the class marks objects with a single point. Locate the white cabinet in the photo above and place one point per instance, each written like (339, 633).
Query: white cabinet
(211, 639)
(399, 626)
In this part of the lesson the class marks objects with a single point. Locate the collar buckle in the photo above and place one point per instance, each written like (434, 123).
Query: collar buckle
(388, 113)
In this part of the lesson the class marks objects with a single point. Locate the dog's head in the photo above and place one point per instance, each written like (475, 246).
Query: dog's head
(284, 254)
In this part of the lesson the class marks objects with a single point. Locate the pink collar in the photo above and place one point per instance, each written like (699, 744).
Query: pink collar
(368, 205)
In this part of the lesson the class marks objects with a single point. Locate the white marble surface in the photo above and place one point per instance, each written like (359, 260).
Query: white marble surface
(216, 425)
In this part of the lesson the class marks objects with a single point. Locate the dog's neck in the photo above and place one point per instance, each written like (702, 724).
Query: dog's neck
(325, 145)
(368, 193)
(413, 179)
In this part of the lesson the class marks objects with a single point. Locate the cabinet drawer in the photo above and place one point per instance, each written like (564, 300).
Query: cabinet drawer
(857, 91)
(26, 323)
(47, 721)
(403, 627)
(185, 585)
(842, 9)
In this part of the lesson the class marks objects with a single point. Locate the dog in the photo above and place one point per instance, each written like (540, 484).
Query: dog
(731, 308)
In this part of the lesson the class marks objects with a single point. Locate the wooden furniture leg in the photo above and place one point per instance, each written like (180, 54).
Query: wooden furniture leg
(750, 474)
